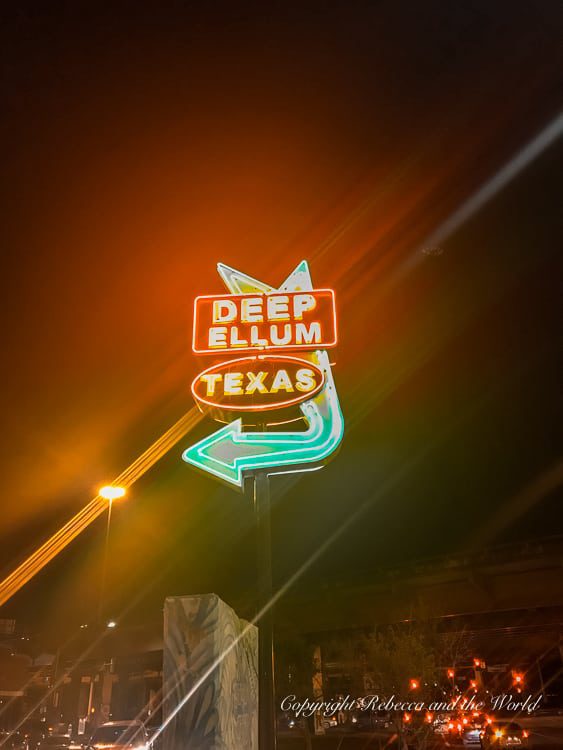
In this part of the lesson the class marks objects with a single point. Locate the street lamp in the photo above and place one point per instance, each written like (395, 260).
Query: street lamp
(110, 493)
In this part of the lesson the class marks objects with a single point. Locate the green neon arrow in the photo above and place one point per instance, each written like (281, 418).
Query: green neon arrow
(229, 452)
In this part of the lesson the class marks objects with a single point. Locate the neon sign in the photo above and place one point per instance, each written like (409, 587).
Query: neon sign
(250, 322)
(266, 383)
(258, 383)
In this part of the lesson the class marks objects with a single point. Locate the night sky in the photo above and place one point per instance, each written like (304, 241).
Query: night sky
(142, 143)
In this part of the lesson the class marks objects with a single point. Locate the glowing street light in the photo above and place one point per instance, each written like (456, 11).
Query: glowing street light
(414, 684)
(111, 493)
(451, 674)
(111, 624)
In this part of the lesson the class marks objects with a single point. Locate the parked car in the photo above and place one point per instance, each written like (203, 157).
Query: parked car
(471, 736)
(119, 735)
(59, 742)
(460, 728)
(501, 734)
(329, 722)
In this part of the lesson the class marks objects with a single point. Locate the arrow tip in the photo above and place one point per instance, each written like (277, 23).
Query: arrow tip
(238, 282)
(207, 454)
(299, 279)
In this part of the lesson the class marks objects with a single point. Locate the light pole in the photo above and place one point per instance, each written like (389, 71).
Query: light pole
(109, 493)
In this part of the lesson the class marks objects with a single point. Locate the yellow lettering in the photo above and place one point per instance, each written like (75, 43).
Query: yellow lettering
(278, 307)
(311, 335)
(256, 382)
(233, 384)
(217, 337)
(305, 380)
(303, 303)
(251, 310)
(278, 340)
(235, 341)
(211, 379)
(224, 311)
(282, 381)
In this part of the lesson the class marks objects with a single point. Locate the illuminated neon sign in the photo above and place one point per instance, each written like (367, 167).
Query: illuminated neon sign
(258, 383)
(266, 383)
(250, 322)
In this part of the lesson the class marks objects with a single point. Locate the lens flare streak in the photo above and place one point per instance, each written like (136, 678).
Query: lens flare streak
(51, 548)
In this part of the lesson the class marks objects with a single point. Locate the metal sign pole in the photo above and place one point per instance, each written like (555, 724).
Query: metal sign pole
(266, 690)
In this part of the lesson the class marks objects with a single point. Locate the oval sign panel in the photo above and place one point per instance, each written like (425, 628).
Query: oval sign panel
(258, 383)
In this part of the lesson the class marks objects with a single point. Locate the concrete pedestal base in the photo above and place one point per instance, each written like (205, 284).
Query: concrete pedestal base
(219, 702)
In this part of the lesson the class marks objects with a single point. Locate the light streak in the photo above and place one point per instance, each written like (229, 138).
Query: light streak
(534, 148)
(49, 549)
(510, 170)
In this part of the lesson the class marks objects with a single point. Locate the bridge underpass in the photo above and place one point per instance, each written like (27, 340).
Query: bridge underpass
(495, 583)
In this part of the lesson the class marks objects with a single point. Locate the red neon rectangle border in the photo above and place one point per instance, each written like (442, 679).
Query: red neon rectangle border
(228, 350)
